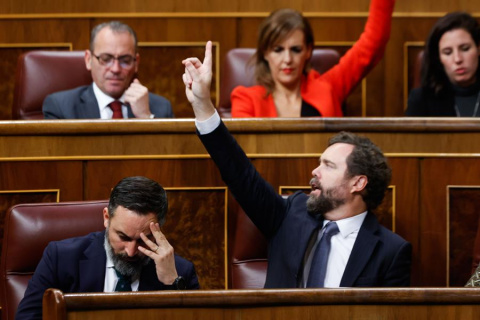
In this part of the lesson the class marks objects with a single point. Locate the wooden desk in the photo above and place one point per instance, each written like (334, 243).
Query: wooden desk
(77, 139)
(411, 304)
(433, 199)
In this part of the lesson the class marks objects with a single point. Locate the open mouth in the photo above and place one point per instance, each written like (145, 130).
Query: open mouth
(315, 185)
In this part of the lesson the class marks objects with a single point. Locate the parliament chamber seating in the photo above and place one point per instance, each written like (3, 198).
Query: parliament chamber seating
(248, 251)
(238, 71)
(28, 229)
(40, 73)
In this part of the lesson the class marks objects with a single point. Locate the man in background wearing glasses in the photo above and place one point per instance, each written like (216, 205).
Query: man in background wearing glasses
(116, 92)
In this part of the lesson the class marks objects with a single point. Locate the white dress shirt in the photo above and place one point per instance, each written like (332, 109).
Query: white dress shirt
(111, 278)
(341, 247)
(104, 100)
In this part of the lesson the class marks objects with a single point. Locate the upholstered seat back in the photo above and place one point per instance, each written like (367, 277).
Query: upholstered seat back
(40, 73)
(238, 71)
(28, 229)
(248, 251)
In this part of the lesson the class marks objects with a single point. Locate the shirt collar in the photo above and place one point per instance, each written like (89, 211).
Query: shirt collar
(109, 262)
(349, 225)
(103, 99)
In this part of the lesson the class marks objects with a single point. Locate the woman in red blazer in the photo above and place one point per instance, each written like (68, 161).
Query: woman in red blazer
(287, 87)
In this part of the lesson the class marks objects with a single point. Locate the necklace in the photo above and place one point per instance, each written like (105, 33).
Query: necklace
(475, 110)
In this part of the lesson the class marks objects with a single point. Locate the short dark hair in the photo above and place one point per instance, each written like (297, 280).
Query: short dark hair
(434, 78)
(276, 27)
(115, 26)
(141, 195)
(366, 159)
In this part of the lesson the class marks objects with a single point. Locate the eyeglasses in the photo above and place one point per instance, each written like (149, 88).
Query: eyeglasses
(107, 60)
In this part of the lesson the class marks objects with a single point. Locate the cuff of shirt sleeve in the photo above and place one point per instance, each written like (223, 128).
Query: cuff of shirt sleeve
(207, 126)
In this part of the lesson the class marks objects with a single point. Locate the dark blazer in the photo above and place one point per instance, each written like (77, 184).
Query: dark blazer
(78, 265)
(421, 103)
(80, 103)
(379, 257)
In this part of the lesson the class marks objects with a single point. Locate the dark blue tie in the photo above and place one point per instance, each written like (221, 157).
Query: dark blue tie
(318, 269)
(123, 283)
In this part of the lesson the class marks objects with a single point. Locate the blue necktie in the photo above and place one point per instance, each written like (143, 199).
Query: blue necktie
(123, 283)
(318, 269)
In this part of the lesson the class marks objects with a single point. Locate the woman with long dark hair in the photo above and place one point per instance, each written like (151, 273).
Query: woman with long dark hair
(450, 74)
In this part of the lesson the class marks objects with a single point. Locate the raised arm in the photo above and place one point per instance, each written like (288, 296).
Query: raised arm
(366, 52)
(259, 200)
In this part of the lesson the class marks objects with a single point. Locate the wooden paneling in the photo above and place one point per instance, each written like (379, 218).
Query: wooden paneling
(175, 173)
(462, 226)
(157, 73)
(195, 227)
(436, 175)
(405, 179)
(218, 6)
(77, 31)
(335, 304)
(43, 175)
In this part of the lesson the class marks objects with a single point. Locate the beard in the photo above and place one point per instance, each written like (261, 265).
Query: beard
(328, 200)
(128, 266)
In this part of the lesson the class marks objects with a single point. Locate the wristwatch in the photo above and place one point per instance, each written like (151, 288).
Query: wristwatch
(180, 283)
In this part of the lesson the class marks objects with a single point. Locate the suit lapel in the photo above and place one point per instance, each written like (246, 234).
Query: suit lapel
(130, 113)
(87, 105)
(307, 229)
(362, 250)
(148, 278)
(92, 267)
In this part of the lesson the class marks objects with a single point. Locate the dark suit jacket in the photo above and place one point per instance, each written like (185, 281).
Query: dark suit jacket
(78, 265)
(379, 257)
(421, 103)
(80, 103)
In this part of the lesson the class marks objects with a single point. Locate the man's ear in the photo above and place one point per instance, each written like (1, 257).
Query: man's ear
(88, 60)
(105, 217)
(359, 183)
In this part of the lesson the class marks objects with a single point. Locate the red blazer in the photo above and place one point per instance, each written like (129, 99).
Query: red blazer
(326, 92)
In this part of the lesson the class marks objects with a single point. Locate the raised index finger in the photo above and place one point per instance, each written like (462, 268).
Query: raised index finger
(207, 61)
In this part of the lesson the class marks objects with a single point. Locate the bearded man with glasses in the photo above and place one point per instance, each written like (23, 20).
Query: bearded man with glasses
(115, 92)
